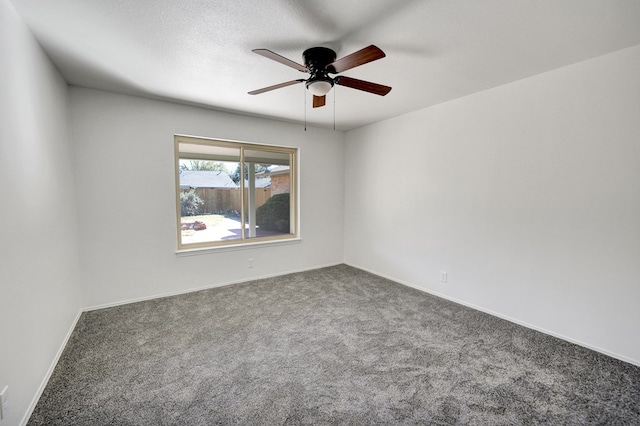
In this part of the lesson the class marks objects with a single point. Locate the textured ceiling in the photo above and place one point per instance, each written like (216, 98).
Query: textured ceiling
(199, 51)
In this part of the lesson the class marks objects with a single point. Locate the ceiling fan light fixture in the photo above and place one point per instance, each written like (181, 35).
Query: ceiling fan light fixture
(320, 62)
(319, 87)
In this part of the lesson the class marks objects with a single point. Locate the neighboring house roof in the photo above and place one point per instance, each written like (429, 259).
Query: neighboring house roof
(261, 182)
(205, 179)
(275, 171)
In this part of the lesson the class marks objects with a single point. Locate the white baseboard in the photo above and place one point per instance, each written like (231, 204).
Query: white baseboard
(47, 376)
(504, 317)
(207, 287)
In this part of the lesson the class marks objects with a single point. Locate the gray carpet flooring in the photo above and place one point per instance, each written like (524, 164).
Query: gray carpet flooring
(331, 346)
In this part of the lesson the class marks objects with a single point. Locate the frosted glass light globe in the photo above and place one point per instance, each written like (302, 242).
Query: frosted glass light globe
(320, 87)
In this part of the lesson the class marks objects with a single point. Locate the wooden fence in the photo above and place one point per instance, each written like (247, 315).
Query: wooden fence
(220, 200)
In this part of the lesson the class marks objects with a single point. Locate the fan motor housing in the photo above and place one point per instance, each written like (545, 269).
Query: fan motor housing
(317, 58)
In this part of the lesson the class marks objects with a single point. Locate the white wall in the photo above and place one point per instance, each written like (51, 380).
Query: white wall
(39, 271)
(126, 197)
(528, 195)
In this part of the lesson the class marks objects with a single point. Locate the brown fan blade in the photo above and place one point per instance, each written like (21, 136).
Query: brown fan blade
(274, 56)
(361, 57)
(319, 101)
(275, 86)
(366, 86)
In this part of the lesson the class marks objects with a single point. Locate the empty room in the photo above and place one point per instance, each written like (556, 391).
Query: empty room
(319, 212)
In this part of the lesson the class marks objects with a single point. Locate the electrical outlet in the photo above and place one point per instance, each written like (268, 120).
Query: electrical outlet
(250, 263)
(4, 399)
(443, 277)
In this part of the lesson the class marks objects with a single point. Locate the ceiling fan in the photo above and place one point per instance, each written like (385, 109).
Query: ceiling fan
(320, 62)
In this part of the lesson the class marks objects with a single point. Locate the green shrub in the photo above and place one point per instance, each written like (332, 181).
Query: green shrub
(274, 214)
(190, 203)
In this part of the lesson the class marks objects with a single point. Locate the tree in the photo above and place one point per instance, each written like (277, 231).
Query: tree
(190, 203)
(213, 166)
(259, 168)
(274, 214)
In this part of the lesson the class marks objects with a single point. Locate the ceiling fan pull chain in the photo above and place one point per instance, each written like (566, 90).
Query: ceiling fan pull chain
(334, 109)
(305, 110)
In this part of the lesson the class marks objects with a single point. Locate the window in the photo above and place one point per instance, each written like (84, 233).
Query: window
(234, 192)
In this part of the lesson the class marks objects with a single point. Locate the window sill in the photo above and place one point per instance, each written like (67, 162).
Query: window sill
(235, 247)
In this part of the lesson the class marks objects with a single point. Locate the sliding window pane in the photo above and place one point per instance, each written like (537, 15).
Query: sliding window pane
(268, 187)
(210, 199)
